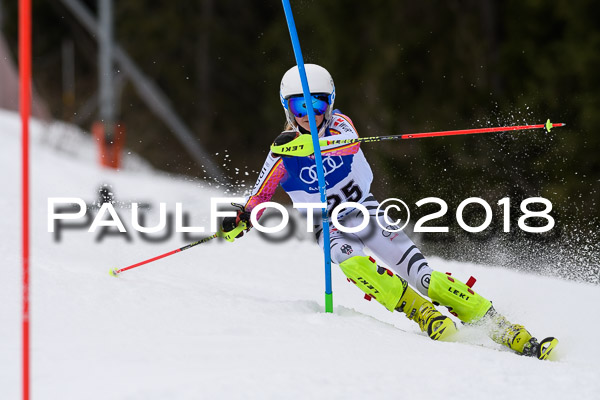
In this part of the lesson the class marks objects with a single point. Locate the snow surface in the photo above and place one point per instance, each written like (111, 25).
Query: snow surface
(244, 320)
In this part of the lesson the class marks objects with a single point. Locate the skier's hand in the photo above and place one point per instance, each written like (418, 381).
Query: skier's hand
(286, 137)
(230, 223)
(292, 143)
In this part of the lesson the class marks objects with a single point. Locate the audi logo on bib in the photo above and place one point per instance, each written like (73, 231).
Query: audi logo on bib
(308, 175)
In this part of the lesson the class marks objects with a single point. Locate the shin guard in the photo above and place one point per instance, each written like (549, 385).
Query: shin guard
(460, 299)
(377, 282)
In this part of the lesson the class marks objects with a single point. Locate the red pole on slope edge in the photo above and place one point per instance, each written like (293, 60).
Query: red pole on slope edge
(25, 107)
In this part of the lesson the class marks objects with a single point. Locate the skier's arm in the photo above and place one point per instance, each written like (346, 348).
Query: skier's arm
(270, 175)
(341, 150)
(342, 128)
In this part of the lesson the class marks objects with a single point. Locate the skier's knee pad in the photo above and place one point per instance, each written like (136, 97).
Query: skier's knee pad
(344, 252)
(377, 282)
(460, 299)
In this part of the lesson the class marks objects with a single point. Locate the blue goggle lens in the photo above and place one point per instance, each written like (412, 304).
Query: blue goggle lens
(297, 105)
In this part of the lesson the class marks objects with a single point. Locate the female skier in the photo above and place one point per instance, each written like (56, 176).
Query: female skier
(348, 179)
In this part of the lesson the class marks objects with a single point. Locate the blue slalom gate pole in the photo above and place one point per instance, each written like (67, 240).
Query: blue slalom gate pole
(318, 159)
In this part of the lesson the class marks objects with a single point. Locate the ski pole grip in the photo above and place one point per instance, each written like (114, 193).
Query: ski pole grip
(300, 147)
(232, 234)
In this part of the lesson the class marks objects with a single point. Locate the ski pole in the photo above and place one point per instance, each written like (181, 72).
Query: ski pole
(301, 146)
(229, 236)
(547, 126)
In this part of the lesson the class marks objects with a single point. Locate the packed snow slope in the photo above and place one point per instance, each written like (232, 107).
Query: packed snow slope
(244, 320)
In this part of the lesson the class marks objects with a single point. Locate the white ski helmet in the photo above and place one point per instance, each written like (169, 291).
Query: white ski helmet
(319, 82)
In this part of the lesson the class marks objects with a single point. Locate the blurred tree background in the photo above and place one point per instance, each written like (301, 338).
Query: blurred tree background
(399, 67)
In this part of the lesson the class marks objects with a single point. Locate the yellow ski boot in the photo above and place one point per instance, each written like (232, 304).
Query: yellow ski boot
(423, 312)
(517, 338)
(394, 293)
(472, 308)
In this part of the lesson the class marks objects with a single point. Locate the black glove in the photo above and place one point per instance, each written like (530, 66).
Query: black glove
(286, 137)
(230, 223)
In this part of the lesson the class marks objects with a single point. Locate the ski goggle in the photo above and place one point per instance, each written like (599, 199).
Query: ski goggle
(297, 105)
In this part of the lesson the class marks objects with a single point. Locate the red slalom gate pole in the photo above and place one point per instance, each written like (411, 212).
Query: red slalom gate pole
(25, 107)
